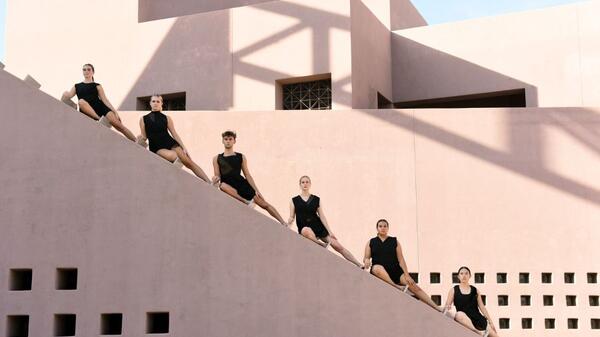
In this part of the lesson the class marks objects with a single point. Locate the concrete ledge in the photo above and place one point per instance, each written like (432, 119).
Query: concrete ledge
(32, 82)
(1, 65)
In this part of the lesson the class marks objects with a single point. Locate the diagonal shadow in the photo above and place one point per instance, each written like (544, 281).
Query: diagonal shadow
(527, 161)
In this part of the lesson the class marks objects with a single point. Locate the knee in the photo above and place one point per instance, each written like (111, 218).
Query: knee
(306, 232)
(460, 316)
(82, 101)
(377, 270)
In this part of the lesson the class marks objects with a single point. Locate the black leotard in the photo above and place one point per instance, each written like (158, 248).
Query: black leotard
(468, 304)
(230, 168)
(384, 254)
(156, 126)
(306, 215)
(89, 93)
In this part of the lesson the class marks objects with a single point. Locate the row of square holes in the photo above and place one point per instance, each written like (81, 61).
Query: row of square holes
(66, 278)
(435, 278)
(110, 324)
(571, 300)
(549, 323)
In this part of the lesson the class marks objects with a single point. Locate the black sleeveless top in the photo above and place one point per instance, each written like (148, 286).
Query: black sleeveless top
(230, 166)
(87, 91)
(306, 211)
(156, 126)
(468, 304)
(384, 253)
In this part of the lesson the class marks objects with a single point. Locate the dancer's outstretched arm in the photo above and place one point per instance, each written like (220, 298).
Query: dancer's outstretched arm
(292, 213)
(248, 175)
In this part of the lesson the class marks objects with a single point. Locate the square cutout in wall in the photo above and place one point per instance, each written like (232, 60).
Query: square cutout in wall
(415, 276)
(504, 323)
(592, 277)
(157, 322)
(548, 300)
(501, 278)
(571, 300)
(525, 300)
(546, 277)
(594, 300)
(550, 323)
(66, 278)
(595, 323)
(573, 323)
(437, 299)
(455, 279)
(17, 326)
(569, 277)
(312, 92)
(479, 278)
(523, 277)
(111, 324)
(435, 278)
(484, 299)
(502, 300)
(526, 323)
(64, 324)
(20, 279)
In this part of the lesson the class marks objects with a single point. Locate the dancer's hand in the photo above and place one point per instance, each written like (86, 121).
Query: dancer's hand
(367, 264)
(216, 180)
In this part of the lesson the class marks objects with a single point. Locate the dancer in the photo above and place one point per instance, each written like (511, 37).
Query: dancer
(389, 265)
(156, 126)
(469, 306)
(228, 167)
(93, 101)
(311, 221)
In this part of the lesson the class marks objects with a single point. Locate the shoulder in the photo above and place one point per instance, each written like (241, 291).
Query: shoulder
(294, 199)
(475, 290)
(372, 241)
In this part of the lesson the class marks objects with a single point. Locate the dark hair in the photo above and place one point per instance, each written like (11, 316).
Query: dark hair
(307, 177)
(229, 133)
(93, 70)
(380, 220)
(464, 267)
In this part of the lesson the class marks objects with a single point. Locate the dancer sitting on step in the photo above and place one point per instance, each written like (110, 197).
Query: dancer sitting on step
(228, 167)
(93, 101)
(156, 126)
(384, 253)
(469, 306)
(311, 221)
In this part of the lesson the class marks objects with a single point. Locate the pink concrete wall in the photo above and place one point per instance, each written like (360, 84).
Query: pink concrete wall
(148, 237)
(405, 15)
(160, 9)
(371, 58)
(548, 52)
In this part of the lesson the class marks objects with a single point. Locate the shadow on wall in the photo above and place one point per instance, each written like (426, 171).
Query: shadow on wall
(205, 68)
(194, 55)
(526, 149)
(423, 73)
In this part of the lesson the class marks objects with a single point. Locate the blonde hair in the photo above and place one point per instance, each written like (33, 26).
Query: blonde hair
(307, 177)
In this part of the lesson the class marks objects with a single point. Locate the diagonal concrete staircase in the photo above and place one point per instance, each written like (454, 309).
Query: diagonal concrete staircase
(145, 237)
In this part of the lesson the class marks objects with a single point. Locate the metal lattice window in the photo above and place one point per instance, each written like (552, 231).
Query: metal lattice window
(315, 95)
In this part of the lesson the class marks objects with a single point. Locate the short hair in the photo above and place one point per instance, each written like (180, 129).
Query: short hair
(464, 267)
(382, 220)
(229, 133)
(157, 95)
(307, 177)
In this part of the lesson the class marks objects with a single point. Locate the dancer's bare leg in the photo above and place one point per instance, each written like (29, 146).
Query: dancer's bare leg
(309, 234)
(419, 293)
(340, 249)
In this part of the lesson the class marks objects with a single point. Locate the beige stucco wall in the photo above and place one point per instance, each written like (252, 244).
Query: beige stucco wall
(551, 53)
(146, 237)
(224, 60)
(160, 9)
